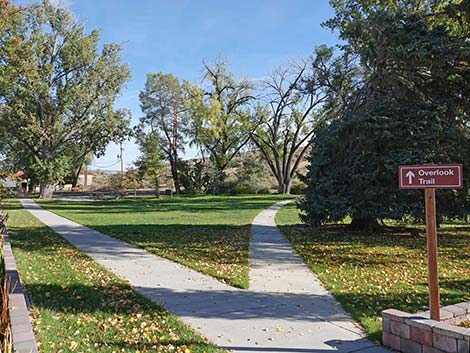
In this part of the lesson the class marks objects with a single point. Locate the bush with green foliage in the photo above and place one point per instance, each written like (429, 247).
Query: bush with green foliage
(194, 176)
(298, 187)
(250, 175)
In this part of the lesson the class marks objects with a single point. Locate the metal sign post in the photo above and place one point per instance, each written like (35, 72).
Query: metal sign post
(430, 177)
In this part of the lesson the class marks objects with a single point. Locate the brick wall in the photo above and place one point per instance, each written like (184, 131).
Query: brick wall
(417, 333)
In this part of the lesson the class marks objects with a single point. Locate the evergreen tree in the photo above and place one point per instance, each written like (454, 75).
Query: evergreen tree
(150, 162)
(162, 102)
(410, 109)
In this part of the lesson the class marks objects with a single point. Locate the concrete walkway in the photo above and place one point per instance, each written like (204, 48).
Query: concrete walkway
(275, 266)
(285, 310)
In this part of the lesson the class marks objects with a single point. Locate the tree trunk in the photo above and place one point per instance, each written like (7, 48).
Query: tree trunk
(219, 178)
(280, 187)
(157, 188)
(287, 188)
(284, 187)
(364, 223)
(174, 148)
(174, 174)
(45, 190)
(75, 176)
(216, 187)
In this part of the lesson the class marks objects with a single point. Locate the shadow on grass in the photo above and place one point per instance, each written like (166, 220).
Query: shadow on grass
(79, 298)
(454, 285)
(218, 250)
(455, 239)
(10, 205)
(364, 305)
(220, 242)
(202, 304)
(143, 346)
(201, 239)
(236, 305)
(183, 204)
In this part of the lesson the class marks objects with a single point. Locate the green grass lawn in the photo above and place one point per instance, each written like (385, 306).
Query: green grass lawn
(79, 306)
(210, 234)
(368, 273)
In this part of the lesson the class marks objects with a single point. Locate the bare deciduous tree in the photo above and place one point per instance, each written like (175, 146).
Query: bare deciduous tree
(296, 99)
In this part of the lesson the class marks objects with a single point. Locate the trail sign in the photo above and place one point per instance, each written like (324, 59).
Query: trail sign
(430, 176)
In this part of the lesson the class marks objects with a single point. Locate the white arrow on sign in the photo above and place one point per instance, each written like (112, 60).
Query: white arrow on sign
(410, 175)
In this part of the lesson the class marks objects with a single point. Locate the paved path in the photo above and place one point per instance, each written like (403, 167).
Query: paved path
(285, 310)
(275, 266)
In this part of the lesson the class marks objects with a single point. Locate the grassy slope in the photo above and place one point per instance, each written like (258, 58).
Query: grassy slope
(372, 272)
(80, 306)
(210, 234)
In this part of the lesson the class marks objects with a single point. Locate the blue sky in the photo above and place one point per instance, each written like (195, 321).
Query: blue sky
(174, 36)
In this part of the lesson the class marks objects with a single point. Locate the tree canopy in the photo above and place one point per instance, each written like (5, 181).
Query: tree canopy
(221, 122)
(393, 92)
(57, 91)
(296, 100)
(150, 162)
(162, 103)
(409, 109)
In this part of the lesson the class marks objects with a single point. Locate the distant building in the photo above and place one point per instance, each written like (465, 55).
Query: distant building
(23, 182)
(9, 184)
(86, 179)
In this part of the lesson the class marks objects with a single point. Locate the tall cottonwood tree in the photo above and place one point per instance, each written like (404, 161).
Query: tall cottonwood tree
(58, 90)
(94, 144)
(294, 104)
(162, 103)
(220, 121)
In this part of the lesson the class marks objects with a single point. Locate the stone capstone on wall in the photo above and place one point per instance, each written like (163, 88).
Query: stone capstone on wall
(417, 333)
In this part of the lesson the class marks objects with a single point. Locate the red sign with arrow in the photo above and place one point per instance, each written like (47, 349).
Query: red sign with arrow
(430, 176)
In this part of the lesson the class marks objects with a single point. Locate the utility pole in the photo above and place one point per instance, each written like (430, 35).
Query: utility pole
(121, 150)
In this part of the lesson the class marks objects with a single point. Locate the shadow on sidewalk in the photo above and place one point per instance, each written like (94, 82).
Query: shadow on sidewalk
(337, 346)
(246, 305)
